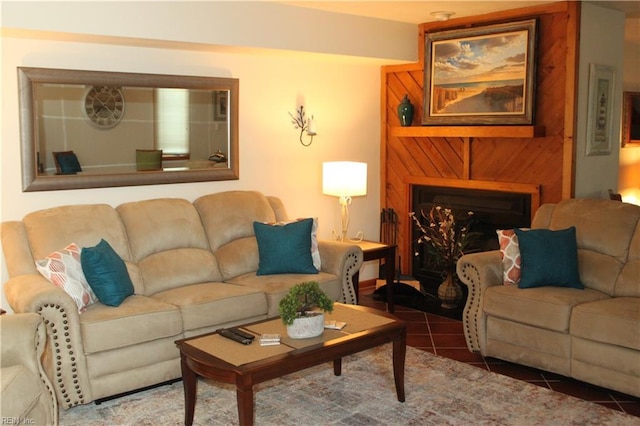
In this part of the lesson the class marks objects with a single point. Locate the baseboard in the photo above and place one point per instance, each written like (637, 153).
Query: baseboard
(367, 284)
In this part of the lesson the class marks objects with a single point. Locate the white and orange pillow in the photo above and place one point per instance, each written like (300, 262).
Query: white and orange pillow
(511, 260)
(63, 269)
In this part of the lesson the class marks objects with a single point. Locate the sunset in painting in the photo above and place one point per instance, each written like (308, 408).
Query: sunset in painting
(479, 75)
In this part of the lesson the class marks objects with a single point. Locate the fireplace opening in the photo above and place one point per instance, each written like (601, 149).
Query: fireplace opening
(492, 210)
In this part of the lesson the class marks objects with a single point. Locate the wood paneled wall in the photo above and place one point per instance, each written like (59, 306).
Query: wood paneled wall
(544, 162)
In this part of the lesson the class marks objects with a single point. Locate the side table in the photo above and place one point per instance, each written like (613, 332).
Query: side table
(372, 251)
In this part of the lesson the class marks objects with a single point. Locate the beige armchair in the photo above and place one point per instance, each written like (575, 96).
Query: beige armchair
(26, 393)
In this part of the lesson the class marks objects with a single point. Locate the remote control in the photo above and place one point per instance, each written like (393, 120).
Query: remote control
(242, 333)
(233, 336)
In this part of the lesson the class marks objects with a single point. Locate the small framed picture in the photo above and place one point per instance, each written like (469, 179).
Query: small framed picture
(220, 105)
(600, 109)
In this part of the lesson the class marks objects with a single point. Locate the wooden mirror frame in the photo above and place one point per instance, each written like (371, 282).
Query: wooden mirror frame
(32, 181)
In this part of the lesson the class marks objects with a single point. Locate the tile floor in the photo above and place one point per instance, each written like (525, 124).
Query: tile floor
(444, 336)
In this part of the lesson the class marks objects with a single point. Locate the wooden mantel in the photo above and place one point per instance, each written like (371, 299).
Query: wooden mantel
(468, 131)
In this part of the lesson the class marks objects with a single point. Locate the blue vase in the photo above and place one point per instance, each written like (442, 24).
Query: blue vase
(405, 111)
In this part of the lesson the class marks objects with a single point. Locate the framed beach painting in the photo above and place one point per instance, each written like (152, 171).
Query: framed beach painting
(481, 76)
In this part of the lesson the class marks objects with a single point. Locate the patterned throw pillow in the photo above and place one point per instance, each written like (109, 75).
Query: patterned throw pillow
(510, 250)
(63, 269)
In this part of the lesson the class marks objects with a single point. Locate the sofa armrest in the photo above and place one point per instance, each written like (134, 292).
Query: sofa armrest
(23, 342)
(342, 260)
(64, 359)
(478, 271)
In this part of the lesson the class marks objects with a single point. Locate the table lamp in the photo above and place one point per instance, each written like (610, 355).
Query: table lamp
(344, 179)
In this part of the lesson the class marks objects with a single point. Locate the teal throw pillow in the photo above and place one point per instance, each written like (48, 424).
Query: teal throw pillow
(106, 273)
(285, 249)
(68, 162)
(549, 258)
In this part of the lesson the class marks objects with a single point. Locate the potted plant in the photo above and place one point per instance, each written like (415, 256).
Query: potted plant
(302, 310)
(445, 241)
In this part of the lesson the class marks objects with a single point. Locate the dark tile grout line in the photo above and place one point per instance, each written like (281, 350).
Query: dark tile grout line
(620, 402)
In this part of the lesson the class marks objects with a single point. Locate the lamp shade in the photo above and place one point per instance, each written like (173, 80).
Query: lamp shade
(344, 178)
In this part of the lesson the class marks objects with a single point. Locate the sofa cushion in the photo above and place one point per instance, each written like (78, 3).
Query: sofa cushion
(614, 243)
(84, 224)
(106, 273)
(286, 248)
(238, 257)
(158, 225)
(210, 304)
(549, 258)
(614, 321)
(63, 268)
(229, 216)
(138, 319)
(176, 268)
(168, 243)
(588, 215)
(546, 307)
(276, 286)
(628, 283)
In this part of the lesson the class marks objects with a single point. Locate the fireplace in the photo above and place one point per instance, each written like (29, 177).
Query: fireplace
(492, 210)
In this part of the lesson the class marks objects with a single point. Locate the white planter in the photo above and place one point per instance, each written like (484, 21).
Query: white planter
(306, 327)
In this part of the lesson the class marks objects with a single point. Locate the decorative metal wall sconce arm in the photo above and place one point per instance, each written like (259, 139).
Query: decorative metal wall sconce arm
(304, 124)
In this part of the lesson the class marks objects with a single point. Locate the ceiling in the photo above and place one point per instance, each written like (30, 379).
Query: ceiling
(417, 12)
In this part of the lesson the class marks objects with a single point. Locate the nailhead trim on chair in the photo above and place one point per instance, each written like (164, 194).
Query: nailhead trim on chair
(58, 349)
(46, 383)
(472, 309)
(348, 294)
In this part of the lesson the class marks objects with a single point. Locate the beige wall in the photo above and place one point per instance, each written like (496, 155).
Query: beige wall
(601, 40)
(342, 92)
(607, 38)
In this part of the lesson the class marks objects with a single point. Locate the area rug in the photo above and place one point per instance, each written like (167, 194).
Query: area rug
(439, 391)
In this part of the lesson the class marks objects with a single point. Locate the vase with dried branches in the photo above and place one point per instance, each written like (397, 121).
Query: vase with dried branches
(445, 241)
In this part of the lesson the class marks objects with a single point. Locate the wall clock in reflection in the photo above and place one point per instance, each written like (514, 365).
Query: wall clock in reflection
(104, 106)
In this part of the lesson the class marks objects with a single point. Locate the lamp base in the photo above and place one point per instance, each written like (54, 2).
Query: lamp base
(342, 237)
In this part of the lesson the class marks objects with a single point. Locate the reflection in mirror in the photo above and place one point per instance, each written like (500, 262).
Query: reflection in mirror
(86, 129)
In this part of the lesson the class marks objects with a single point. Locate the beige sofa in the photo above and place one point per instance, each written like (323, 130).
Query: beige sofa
(27, 396)
(193, 267)
(591, 334)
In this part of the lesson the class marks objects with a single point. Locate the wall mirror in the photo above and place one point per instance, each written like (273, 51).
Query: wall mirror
(93, 129)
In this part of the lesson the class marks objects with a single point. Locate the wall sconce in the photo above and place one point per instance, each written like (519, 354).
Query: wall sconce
(344, 179)
(308, 125)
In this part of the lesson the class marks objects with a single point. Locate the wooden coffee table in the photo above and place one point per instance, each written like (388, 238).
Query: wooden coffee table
(215, 357)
